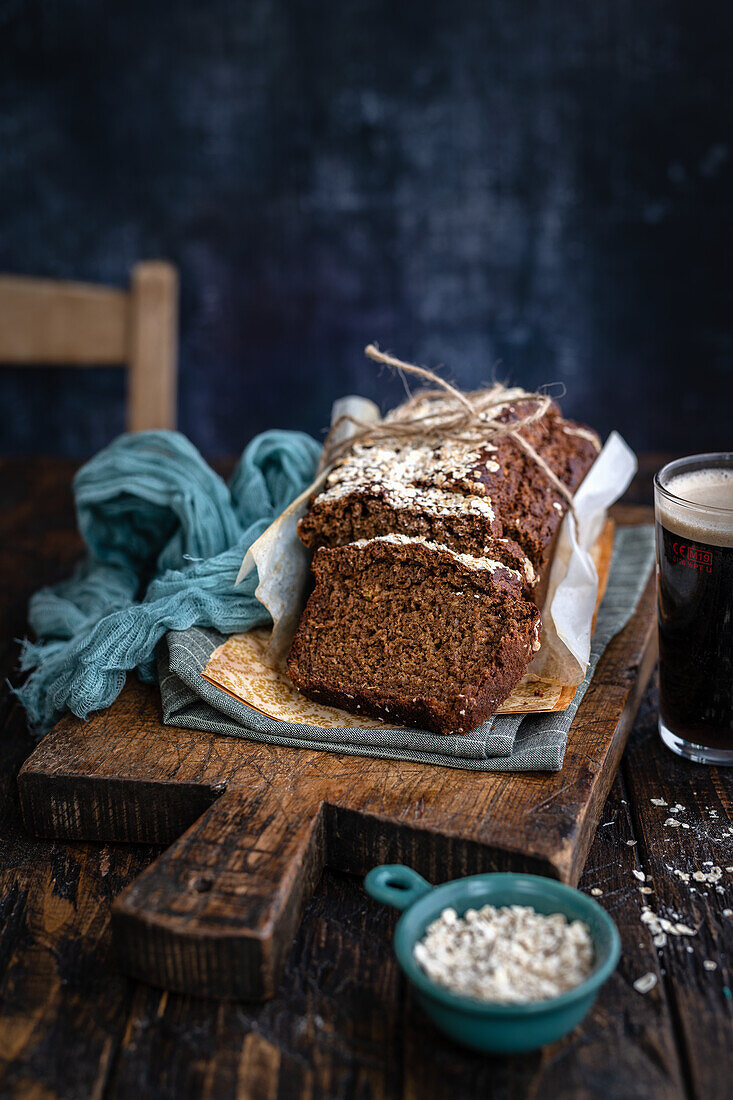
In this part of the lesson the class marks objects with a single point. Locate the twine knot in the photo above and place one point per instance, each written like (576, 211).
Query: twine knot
(442, 412)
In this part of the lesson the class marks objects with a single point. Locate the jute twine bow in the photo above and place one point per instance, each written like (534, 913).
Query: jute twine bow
(445, 413)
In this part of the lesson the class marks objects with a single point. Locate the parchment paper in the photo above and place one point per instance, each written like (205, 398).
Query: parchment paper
(567, 616)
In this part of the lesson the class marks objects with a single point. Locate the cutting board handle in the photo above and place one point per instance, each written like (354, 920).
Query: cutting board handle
(217, 913)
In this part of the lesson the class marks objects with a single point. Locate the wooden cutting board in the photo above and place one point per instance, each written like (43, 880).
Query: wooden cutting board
(216, 913)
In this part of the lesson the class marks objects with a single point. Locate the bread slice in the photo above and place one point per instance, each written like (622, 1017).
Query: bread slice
(409, 631)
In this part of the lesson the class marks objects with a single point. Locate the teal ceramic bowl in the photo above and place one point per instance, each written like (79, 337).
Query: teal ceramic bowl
(499, 1028)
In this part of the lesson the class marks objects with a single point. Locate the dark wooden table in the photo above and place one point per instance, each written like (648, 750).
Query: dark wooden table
(342, 1023)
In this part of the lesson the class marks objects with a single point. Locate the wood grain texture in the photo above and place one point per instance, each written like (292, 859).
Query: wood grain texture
(703, 840)
(217, 913)
(63, 1002)
(152, 377)
(341, 1024)
(63, 323)
(50, 322)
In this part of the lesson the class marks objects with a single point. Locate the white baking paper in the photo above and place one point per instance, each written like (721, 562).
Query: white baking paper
(567, 617)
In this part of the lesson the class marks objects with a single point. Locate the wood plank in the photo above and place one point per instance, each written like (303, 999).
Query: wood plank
(152, 378)
(343, 1024)
(261, 850)
(63, 323)
(63, 1002)
(702, 999)
(332, 1030)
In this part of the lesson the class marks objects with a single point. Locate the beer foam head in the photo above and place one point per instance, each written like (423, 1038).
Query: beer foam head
(704, 510)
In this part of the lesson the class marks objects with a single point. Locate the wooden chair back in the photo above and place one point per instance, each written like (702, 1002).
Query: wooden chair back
(47, 322)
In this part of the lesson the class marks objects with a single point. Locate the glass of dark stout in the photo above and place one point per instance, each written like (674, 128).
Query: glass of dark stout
(693, 504)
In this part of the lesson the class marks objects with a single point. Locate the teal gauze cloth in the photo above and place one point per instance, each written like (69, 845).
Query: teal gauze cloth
(165, 537)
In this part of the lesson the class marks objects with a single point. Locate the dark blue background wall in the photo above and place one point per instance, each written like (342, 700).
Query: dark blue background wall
(539, 189)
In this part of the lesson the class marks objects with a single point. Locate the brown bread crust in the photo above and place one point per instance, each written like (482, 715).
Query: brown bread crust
(524, 506)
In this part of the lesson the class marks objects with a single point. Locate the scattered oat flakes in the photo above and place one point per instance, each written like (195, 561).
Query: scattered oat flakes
(659, 801)
(728, 912)
(712, 876)
(683, 875)
(659, 924)
(645, 982)
(631, 843)
(709, 964)
(645, 890)
(672, 822)
(638, 875)
(596, 892)
(677, 809)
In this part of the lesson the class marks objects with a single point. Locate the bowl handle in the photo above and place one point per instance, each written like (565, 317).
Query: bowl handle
(396, 885)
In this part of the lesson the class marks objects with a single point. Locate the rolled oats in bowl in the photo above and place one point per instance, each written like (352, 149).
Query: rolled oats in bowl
(520, 968)
(506, 955)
